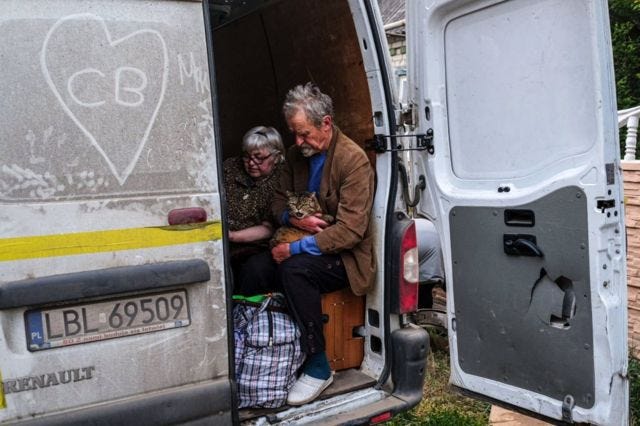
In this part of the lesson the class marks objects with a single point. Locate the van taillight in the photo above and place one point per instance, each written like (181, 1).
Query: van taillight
(408, 280)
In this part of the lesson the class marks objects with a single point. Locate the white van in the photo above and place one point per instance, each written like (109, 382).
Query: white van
(116, 117)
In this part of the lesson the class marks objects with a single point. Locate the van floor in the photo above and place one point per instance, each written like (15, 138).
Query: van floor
(343, 381)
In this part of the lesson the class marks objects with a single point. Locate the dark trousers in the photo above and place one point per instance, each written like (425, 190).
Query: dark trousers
(302, 278)
(425, 297)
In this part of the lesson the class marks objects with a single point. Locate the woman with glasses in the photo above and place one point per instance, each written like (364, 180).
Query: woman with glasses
(249, 182)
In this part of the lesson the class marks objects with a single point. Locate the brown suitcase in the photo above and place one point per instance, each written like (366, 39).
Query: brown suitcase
(345, 312)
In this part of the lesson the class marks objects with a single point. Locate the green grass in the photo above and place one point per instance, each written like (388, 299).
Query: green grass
(634, 391)
(441, 406)
(438, 418)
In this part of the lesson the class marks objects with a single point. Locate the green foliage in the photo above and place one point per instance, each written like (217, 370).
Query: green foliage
(634, 391)
(625, 38)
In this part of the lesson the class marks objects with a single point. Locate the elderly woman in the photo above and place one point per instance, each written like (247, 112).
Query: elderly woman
(249, 183)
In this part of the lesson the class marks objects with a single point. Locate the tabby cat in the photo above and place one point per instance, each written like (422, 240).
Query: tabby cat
(300, 205)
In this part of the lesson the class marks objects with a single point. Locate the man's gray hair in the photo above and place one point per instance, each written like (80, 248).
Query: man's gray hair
(264, 137)
(308, 98)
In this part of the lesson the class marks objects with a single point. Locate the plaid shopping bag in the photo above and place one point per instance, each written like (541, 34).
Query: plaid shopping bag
(267, 350)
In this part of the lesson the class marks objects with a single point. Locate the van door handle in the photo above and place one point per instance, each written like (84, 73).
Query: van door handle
(521, 245)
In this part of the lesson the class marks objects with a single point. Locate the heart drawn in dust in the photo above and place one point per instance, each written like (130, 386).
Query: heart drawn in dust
(112, 88)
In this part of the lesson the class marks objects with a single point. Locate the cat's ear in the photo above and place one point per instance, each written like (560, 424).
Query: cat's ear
(289, 193)
(313, 193)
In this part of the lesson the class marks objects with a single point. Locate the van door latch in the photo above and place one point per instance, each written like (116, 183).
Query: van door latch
(602, 205)
(424, 141)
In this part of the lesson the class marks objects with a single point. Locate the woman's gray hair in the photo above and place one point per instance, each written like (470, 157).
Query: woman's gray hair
(308, 98)
(260, 137)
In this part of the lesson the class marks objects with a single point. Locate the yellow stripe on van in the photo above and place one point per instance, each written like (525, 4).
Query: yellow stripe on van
(3, 402)
(105, 241)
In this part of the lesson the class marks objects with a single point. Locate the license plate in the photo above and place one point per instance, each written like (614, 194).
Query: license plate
(73, 325)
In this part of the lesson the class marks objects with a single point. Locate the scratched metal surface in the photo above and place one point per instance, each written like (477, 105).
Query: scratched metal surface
(125, 111)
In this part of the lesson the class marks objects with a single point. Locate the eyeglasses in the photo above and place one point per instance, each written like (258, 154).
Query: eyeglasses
(257, 160)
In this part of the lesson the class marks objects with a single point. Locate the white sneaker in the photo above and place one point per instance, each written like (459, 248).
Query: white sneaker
(306, 389)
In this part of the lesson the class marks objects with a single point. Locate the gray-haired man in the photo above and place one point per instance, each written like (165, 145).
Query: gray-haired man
(337, 255)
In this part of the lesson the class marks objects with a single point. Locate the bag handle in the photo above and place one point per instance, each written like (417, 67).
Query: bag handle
(262, 301)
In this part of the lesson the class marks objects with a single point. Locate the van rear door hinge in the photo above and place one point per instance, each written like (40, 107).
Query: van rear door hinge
(567, 408)
(424, 141)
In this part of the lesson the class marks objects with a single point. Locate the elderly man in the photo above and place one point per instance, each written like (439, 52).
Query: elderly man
(336, 255)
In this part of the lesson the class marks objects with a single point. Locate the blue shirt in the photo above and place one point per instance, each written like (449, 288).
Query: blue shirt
(308, 244)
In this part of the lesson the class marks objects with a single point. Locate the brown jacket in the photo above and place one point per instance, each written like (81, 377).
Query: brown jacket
(346, 192)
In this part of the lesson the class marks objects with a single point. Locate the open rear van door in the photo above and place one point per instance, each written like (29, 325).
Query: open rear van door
(528, 198)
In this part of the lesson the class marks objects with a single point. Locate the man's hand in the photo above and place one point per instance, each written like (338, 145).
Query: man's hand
(281, 252)
(310, 223)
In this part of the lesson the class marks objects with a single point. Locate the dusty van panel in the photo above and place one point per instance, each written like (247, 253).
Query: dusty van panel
(106, 127)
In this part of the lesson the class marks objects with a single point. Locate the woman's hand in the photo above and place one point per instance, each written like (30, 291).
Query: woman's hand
(254, 233)
(310, 223)
(281, 252)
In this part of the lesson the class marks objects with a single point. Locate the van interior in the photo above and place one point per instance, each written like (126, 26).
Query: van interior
(261, 50)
